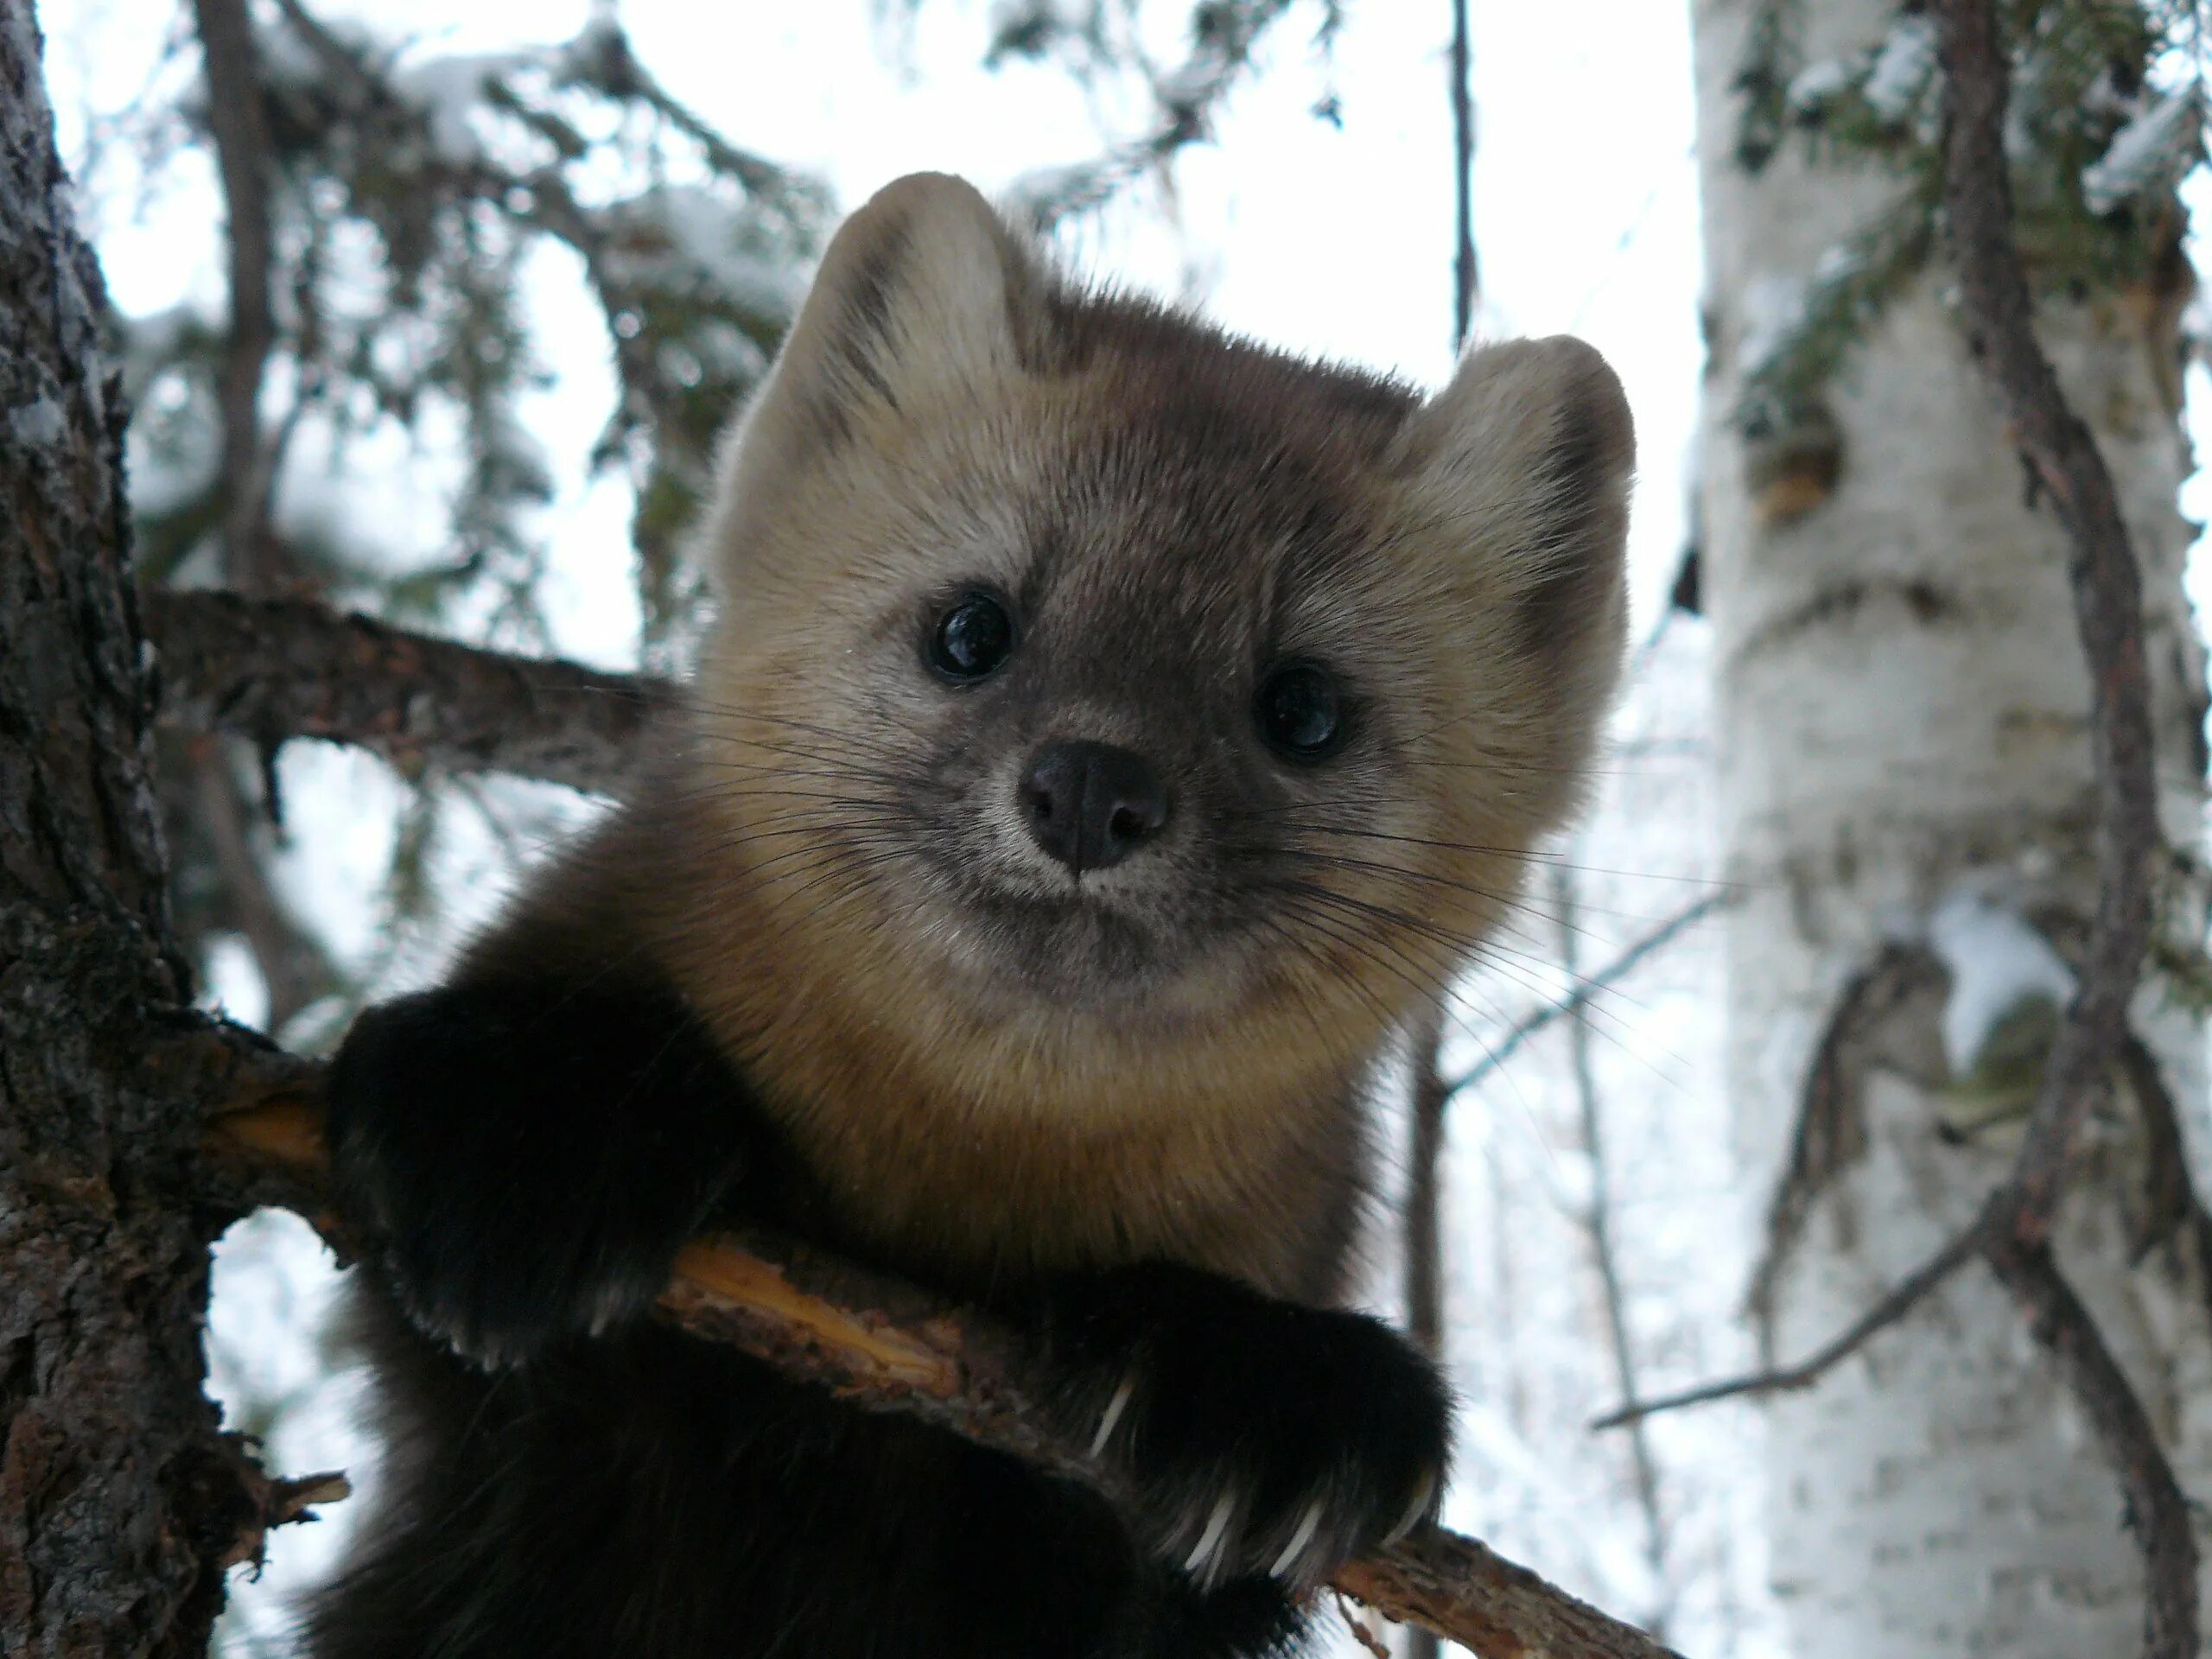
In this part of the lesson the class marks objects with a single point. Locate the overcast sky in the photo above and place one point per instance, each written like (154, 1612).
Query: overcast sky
(1331, 239)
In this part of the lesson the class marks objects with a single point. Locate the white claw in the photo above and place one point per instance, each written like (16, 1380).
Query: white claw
(1308, 1525)
(1210, 1540)
(1415, 1510)
(1114, 1407)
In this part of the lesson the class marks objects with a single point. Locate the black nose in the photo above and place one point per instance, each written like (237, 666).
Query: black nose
(1090, 804)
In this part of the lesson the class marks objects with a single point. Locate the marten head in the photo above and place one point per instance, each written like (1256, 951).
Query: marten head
(1093, 685)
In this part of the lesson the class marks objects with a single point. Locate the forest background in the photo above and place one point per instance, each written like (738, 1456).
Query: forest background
(511, 474)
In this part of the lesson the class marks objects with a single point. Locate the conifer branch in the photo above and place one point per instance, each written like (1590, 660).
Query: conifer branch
(884, 1346)
(272, 670)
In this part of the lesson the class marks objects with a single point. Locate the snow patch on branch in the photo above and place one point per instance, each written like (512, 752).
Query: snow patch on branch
(1999, 963)
(1773, 310)
(677, 238)
(2145, 155)
(1903, 69)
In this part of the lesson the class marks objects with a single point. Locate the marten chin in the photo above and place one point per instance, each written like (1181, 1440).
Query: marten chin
(1113, 731)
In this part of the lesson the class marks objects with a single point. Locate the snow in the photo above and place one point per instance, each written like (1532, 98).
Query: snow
(1009, 15)
(1816, 83)
(1772, 306)
(2148, 151)
(1902, 68)
(1997, 963)
(450, 89)
(37, 424)
(677, 236)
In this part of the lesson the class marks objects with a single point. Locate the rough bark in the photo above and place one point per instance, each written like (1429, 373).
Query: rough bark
(119, 1500)
(270, 669)
(1903, 701)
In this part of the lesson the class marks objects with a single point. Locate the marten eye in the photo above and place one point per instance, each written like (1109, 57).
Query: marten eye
(972, 638)
(1300, 712)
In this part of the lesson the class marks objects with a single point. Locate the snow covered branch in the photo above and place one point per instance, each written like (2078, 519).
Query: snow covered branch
(885, 1346)
(270, 669)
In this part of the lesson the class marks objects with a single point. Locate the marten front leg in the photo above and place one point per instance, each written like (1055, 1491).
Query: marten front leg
(1259, 1436)
(527, 1155)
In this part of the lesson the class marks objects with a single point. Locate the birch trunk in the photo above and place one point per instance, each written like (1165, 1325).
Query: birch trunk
(1902, 701)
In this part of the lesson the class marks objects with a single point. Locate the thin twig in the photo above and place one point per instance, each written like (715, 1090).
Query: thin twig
(1907, 1294)
(1519, 1035)
(885, 1346)
(1424, 1239)
(1467, 283)
(295, 968)
(1599, 1220)
(1424, 1226)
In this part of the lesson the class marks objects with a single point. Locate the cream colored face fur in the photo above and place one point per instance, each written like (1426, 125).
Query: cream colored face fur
(1169, 514)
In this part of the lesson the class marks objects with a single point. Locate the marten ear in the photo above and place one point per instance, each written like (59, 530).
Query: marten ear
(1525, 459)
(924, 289)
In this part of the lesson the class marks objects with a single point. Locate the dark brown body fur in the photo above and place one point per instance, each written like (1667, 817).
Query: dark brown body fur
(1053, 982)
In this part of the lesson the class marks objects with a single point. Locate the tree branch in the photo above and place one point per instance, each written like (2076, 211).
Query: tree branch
(1607, 976)
(885, 1346)
(2064, 458)
(1908, 1293)
(240, 126)
(270, 669)
(2157, 1512)
(1599, 1220)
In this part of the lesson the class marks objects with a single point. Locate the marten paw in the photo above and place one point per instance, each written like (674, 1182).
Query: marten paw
(1260, 1437)
(523, 1168)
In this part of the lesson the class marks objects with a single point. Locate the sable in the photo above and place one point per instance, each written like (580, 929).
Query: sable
(885, 1346)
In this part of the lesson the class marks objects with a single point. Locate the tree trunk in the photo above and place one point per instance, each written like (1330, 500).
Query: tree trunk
(1902, 704)
(119, 1499)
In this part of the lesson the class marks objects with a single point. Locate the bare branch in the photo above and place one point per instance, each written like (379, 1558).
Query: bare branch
(240, 125)
(885, 1346)
(294, 966)
(1604, 979)
(1599, 1219)
(2157, 1512)
(2062, 458)
(270, 669)
(1908, 1294)
(1467, 283)
(1423, 1232)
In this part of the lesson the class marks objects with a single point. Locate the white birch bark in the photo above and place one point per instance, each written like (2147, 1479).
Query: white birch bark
(1901, 701)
